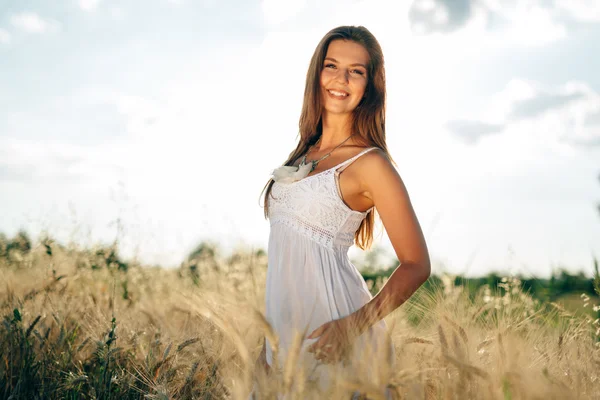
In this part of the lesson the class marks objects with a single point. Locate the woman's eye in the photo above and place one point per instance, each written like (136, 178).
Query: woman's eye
(329, 66)
(358, 71)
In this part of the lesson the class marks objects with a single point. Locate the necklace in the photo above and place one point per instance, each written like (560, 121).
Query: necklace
(316, 162)
(291, 174)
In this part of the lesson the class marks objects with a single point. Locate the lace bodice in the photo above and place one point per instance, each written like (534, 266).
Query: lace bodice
(314, 207)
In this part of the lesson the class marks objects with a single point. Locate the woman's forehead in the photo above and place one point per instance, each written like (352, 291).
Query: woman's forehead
(347, 52)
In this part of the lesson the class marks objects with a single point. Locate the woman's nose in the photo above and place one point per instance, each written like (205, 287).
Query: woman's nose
(342, 75)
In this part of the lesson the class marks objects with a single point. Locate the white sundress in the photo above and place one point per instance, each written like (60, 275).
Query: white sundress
(310, 279)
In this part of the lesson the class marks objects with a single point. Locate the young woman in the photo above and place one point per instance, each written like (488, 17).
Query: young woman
(323, 200)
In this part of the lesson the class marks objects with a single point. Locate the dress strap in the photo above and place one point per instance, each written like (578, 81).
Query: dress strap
(349, 161)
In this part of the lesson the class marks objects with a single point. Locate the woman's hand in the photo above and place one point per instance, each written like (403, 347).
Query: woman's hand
(335, 340)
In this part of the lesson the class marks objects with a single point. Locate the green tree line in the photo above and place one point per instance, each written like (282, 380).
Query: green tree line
(206, 256)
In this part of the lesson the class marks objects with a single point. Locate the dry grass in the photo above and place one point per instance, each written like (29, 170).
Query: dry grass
(70, 331)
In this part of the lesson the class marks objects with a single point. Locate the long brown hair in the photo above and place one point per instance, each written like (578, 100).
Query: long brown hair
(368, 117)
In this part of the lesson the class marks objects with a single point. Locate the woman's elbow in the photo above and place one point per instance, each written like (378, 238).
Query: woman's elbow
(425, 270)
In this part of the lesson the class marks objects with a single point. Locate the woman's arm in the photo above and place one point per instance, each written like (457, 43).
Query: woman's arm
(383, 185)
(380, 182)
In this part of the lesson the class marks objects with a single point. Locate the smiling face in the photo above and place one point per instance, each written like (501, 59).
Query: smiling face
(343, 77)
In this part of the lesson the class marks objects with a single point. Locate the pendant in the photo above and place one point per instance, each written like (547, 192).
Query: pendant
(291, 174)
(313, 164)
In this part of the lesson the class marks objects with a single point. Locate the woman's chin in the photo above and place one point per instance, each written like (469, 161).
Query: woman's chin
(338, 111)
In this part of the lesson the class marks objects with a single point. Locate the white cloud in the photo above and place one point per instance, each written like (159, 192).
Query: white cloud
(544, 12)
(425, 5)
(89, 5)
(501, 23)
(33, 23)
(525, 26)
(5, 37)
(532, 25)
(583, 10)
(558, 114)
(276, 12)
(117, 13)
(539, 116)
(53, 161)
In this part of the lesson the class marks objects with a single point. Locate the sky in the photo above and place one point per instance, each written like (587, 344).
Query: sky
(158, 122)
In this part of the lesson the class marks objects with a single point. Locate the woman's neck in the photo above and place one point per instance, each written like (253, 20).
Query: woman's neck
(336, 128)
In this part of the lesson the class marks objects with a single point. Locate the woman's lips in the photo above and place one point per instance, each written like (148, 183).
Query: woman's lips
(337, 94)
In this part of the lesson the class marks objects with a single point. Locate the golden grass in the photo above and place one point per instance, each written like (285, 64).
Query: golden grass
(70, 331)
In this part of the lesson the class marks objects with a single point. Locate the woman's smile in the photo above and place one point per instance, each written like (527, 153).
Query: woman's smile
(338, 94)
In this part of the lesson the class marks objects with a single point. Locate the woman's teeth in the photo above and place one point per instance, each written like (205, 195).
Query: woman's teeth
(338, 94)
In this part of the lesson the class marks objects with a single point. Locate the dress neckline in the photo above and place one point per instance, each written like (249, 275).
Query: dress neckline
(336, 166)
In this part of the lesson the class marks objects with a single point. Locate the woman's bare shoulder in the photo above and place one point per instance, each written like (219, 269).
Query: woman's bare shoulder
(376, 160)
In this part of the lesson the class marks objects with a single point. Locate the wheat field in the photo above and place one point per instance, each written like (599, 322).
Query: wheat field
(79, 325)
